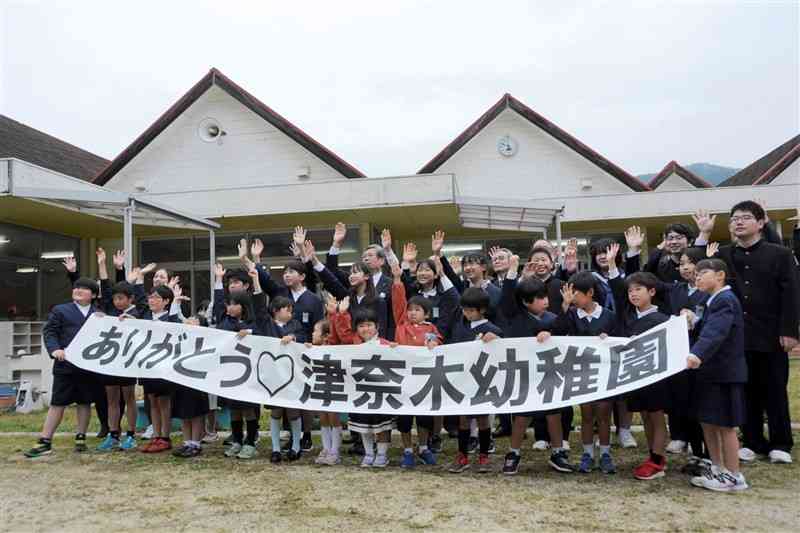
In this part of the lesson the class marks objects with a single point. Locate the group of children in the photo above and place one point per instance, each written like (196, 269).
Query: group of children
(406, 301)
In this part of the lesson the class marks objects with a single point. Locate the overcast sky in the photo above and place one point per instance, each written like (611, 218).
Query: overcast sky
(386, 85)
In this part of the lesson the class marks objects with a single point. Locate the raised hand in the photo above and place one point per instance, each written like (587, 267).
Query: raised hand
(70, 264)
(711, 249)
(410, 253)
(513, 263)
(149, 267)
(101, 256)
(309, 252)
(663, 242)
(119, 259)
(256, 249)
(567, 295)
(634, 238)
(330, 306)
(295, 250)
(692, 361)
(437, 260)
(386, 239)
(571, 256)
(704, 221)
(437, 242)
(219, 271)
(299, 236)
(242, 248)
(397, 272)
(612, 251)
(133, 275)
(339, 234)
(344, 304)
(173, 282)
(493, 251)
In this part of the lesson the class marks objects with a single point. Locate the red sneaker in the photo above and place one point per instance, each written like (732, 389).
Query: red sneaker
(460, 464)
(484, 465)
(650, 470)
(146, 447)
(160, 445)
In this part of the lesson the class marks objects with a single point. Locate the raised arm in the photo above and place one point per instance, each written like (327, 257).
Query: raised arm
(508, 298)
(398, 296)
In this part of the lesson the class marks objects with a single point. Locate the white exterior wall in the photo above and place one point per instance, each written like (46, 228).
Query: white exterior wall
(790, 175)
(675, 183)
(253, 152)
(542, 167)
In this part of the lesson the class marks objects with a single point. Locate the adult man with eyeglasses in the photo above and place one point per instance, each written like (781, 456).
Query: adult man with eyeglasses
(765, 279)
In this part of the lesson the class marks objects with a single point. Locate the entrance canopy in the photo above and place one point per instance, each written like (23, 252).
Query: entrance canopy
(510, 215)
(23, 180)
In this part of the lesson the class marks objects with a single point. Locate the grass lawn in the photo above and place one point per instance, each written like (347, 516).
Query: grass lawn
(91, 491)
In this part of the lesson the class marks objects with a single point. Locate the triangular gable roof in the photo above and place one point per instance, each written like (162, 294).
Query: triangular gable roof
(34, 146)
(508, 101)
(215, 77)
(688, 176)
(763, 170)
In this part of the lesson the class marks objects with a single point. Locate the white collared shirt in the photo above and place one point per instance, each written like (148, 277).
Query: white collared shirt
(711, 298)
(297, 294)
(376, 278)
(649, 311)
(84, 309)
(595, 314)
(157, 316)
(475, 323)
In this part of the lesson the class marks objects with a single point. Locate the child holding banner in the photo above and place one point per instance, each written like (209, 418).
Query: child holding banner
(719, 357)
(330, 424)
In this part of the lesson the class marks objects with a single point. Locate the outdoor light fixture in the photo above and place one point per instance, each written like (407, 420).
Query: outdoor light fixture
(27, 270)
(4, 239)
(57, 255)
(468, 247)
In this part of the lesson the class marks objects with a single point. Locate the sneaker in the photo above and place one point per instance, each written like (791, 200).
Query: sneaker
(559, 461)
(42, 448)
(161, 445)
(511, 464)
(746, 455)
(722, 481)
(293, 455)
(128, 443)
(109, 444)
(541, 445)
(408, 460)
(484, 466)
(148, 433)
(435, 445)
(367, 461)
(740, 483)
(332, 459)
(248, 451)
(649, 470)
(565, 444)
(779, 456)
(695, 466)
(357, 448)
(228, 440)
(208, 438)
(473, 445)
(381, 461)
(233, 450)
(103, 433)
(460, 464)
(80, 444)
(587, 463)
(306, 444)
(321, 458)
(607, 464)
(184, 451)
(708, 473)
(427, 457)
(276, 457)
(676, 446)
(626, 439)
(492, 446)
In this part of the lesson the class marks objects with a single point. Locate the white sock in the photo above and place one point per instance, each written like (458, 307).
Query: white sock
(297, 432)
(407, 450)
(422, 447)
(605, 449)
(473, 428)
(383, 448)
(326, 438)
(275, 432)
(589, 448)
(515, 451)
(336, 439)
(368, 439)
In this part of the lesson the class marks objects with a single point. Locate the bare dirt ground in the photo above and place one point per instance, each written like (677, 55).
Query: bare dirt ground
(133, 491)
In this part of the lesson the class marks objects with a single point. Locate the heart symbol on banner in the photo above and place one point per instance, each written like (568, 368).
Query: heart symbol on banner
(275, 372)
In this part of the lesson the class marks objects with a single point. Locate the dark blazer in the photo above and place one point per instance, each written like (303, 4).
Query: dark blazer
(520, 322)
(333, 284)
(107, 300)
(307, 309)
(63, 323)
(720, 341)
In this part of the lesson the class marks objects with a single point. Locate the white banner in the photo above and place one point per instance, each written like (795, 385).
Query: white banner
(501, 376)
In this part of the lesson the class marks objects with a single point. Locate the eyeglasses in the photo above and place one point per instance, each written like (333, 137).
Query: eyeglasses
(742, 218)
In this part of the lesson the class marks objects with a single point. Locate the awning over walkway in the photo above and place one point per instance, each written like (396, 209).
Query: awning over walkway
(509, 215)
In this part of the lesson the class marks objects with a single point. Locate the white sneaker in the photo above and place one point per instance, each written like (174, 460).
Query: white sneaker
(626, 439)
(208, 438)
(676, 446)
(541, 445)
(709, 473)
(565, 444)
(740, 483)
(746, 455)
(233, 450)
(779, 456)
(321, 458)
(148, 433)
(721, 482)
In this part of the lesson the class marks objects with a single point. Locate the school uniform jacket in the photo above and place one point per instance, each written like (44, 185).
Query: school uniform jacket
(406, 333)
(571, 324)
(135, 310)
(463, 331)
(720, 341)
(63, 324)
(266, 326)
(765, 280)
(443, 302)
(307, 308)
(333, 285)
(495, 314)
(520, 321)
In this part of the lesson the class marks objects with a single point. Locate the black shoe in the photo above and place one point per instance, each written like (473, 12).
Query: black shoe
(292, 455)
(276, 457)
(501, 432)
(186, 451)
(306, 444)
(228, 440)
(80, 443)
(352, 438)
(559, 461)
(43, 447)
(511, 464)
(357, 448)
(286, 446)
(473, 445)
(694, 468)
(492, 446)
(103, 433)
(435, 444)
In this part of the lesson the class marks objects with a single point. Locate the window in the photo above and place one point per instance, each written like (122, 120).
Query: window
(165, 250)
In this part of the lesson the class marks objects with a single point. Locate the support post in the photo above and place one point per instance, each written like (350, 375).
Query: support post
(127, 235)
(212, 256)
(558, 230)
